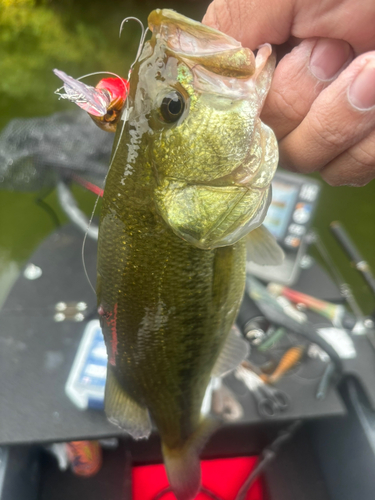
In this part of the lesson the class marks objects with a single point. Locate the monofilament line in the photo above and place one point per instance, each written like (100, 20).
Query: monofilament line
(84, 244)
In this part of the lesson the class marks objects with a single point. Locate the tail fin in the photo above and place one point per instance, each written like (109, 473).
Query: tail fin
(183, 471)
(182, 464)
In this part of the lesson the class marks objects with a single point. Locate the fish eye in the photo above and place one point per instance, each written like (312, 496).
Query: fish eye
(172, 106)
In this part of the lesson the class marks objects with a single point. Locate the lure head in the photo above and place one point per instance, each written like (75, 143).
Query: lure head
(117, 89)
(195, 99)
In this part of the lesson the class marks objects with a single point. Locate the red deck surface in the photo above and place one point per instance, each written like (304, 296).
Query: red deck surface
(223, 477)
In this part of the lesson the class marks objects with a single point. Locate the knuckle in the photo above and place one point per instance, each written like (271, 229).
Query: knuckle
(327, 133)
(287, 105)
(363, 155)
(294, 158)
(221, 15)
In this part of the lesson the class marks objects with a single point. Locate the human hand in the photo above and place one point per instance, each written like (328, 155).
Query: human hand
(321, 105)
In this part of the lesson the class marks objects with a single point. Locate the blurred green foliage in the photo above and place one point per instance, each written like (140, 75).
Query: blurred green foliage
(33, 37)
(77, 37)
(37, 36)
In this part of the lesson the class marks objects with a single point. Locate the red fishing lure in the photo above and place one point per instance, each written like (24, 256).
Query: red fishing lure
(103, 103)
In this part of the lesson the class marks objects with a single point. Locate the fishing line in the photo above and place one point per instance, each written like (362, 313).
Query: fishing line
(97, 198)
(84, 244)
(122, 121)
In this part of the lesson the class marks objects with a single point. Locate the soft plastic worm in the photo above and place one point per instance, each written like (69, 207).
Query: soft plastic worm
(287, 362)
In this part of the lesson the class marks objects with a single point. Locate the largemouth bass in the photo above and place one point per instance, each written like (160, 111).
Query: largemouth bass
(189, 179)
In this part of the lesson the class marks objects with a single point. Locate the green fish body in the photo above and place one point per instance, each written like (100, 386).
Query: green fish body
(189, 178)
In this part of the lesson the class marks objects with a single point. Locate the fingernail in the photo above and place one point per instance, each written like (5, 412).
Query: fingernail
(362, 91)
(328, 57)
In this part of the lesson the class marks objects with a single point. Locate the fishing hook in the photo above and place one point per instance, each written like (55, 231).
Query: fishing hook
(141, 42)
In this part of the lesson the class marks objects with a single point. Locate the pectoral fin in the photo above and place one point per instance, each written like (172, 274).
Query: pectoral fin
(235, 350)
(123, 411)
(262, 248)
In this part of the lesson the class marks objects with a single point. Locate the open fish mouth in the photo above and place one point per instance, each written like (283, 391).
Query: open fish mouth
(200, 45)
(218, 62)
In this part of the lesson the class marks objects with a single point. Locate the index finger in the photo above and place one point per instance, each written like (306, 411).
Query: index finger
(255, 22)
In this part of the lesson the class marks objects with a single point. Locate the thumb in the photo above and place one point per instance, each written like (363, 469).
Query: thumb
(254, 22)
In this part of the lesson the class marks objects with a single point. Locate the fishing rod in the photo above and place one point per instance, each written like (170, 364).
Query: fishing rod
(345, 290)
(364, 324)
(353, 253)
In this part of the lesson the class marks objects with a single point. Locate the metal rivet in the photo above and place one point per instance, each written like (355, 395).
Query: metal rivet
(56, 416)
(368, 323)
(306, 262)
(32, 272)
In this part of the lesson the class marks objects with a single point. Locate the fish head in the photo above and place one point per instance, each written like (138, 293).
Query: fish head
(197, 94)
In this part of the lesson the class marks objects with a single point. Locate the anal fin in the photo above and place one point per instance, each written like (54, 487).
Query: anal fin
(123, 411)
(262, 248)
(235, 350)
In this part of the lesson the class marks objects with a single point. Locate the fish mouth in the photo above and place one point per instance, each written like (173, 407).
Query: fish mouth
(201, 45)
(209, 53)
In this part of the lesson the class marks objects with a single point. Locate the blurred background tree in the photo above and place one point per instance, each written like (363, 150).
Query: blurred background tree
(37, 36)
(76, 36)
